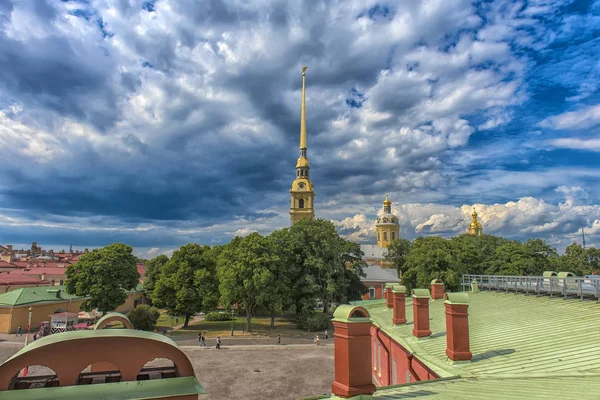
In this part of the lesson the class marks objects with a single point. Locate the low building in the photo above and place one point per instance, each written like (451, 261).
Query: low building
(45, 301)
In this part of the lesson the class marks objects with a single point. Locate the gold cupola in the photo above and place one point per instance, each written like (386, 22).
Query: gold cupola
(475, 228)
(302, 194)
(387, 225)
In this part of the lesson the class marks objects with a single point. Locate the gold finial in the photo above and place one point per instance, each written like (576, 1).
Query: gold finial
(387, 201)
(303, 115)
(474, 215)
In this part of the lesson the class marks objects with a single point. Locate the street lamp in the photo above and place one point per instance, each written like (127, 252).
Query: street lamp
(232, 311)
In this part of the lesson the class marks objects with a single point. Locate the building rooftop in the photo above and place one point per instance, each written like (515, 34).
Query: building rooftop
(34, 295)
(377, 274)
(519, 342)
(372, 251)
(43, 294)
(19, 279)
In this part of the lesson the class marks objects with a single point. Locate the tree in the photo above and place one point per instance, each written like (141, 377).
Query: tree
(188, 282)
(397, 252)
(575, 260)
(593, 258)
(318, 258)
(244, 273)
(144, 317)
(431, 258)
(104, 275)
(153, 270)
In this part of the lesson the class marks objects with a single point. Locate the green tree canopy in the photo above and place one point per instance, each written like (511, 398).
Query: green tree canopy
(432, 258)
(397, 252)
(104, 275)
(245, 274)
(144, 317)
(188, 282)
(153, 270)
(321, 263)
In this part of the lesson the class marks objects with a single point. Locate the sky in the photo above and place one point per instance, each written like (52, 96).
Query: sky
(158, 123)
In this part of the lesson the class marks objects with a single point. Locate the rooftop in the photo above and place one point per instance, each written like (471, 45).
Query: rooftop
(43, 294)
(514, 338)
(375, 273)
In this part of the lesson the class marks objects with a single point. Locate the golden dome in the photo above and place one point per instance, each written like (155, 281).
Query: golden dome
(387, 201)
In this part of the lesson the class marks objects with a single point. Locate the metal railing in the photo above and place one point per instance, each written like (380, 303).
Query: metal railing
(565, 287)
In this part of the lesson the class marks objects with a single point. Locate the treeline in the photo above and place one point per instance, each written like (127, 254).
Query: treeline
(434, 257)
(290, 269)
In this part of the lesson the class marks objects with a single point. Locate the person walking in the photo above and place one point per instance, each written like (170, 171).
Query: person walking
(326, 335)
(218, 342)
(19, 331)
(202, 340)
(317, 340)
(279, 339)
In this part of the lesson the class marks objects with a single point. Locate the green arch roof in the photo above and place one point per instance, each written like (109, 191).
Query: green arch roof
(110, 315)
(90, 334)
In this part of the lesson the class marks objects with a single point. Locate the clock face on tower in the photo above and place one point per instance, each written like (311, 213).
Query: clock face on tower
(301, 185)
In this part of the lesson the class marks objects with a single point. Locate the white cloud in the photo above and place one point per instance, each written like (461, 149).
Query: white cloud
(576, 144)
(586, 117)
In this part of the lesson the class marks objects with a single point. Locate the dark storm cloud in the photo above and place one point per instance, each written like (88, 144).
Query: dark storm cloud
(183, 115)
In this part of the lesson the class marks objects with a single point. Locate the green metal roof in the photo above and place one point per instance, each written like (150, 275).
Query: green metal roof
(541, 388)
(511, 335)
(44, 294)
(132, 390)
(85, 334)
(35, 295)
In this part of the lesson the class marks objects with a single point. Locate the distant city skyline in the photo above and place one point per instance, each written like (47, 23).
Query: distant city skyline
(166, 122)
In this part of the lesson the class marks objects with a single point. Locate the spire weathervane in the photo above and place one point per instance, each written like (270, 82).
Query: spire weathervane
(303, 115)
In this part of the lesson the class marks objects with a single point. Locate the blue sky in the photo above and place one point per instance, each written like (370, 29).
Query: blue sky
(162, 122)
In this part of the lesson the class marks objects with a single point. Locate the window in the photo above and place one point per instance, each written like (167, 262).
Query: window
(378, 236)
(371, 292)
(384, 235)
(393, 235)
(301, 203)
(394, 372)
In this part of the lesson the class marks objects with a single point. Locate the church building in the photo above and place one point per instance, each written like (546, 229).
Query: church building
(379, 271)
(302, 194)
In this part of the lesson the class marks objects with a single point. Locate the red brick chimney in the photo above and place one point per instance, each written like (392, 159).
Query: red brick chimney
(457, 326)
(352, 352)
(437, 289)
(388, 295)
(399, 302)
(420, 299)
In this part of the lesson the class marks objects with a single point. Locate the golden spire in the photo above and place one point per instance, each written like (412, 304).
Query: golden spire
(303, 116)
(474, 215)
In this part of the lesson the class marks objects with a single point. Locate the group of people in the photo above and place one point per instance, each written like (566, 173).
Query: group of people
(202, 341)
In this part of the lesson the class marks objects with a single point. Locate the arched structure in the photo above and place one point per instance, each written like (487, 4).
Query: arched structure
(127, 349)
(113, 317)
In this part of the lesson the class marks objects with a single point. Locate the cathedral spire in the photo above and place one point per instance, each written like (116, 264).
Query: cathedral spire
(303, 116)
(302, 193)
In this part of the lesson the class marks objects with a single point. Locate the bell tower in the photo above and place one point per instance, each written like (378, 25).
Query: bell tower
(302, 194)
(387, 225)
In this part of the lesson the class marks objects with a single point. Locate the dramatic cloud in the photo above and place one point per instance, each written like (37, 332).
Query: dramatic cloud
(165, 122)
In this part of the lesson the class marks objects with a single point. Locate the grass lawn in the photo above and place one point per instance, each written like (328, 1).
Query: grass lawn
(261, 327)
